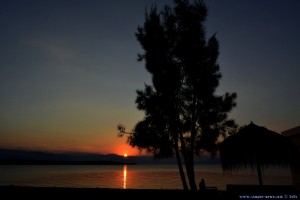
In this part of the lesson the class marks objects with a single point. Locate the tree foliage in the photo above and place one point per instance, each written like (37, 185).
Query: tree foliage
(183, 114)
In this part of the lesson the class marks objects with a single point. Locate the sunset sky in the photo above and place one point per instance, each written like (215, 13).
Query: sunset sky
(69, 70)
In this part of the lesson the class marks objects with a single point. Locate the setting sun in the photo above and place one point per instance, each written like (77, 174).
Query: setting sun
(121, 148)
(125, 155)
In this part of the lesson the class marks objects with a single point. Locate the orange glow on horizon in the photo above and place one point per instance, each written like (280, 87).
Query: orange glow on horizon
(125, 150)
(98, 145)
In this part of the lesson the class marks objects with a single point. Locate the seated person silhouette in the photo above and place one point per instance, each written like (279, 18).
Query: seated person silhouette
(202, 185)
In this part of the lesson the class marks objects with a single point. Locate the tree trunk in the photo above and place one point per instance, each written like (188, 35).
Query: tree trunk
(259, 172)
(177, 152)
(191, 172)
(181, 172)
(191, 176)
(188, 165)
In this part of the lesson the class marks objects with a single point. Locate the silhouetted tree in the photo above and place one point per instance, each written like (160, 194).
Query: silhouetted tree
(183, 115)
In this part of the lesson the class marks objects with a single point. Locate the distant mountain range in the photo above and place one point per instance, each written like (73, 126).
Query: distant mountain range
(15, 156)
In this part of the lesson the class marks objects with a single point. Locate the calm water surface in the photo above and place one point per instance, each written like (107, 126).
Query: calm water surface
(130, 176)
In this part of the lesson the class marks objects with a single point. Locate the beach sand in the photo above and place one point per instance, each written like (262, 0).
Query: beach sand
(233, 192)
(24, 192)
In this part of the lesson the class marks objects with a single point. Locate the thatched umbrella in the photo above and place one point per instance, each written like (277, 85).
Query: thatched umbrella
(256, 147)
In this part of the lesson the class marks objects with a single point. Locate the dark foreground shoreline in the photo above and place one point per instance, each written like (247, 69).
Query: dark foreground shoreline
(24, 192)
(235, 192)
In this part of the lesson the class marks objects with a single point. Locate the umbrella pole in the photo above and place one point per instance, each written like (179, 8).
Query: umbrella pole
(259, 173)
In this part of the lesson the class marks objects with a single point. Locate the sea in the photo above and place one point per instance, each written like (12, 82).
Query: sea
(140, 176)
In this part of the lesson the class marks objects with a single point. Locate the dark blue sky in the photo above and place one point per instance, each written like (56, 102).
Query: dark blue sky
(68, 69)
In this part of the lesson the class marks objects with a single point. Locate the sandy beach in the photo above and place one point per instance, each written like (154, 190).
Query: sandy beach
(241, 192)
(17, 192)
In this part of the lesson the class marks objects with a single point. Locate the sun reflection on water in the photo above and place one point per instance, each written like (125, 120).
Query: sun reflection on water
(124, 176)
